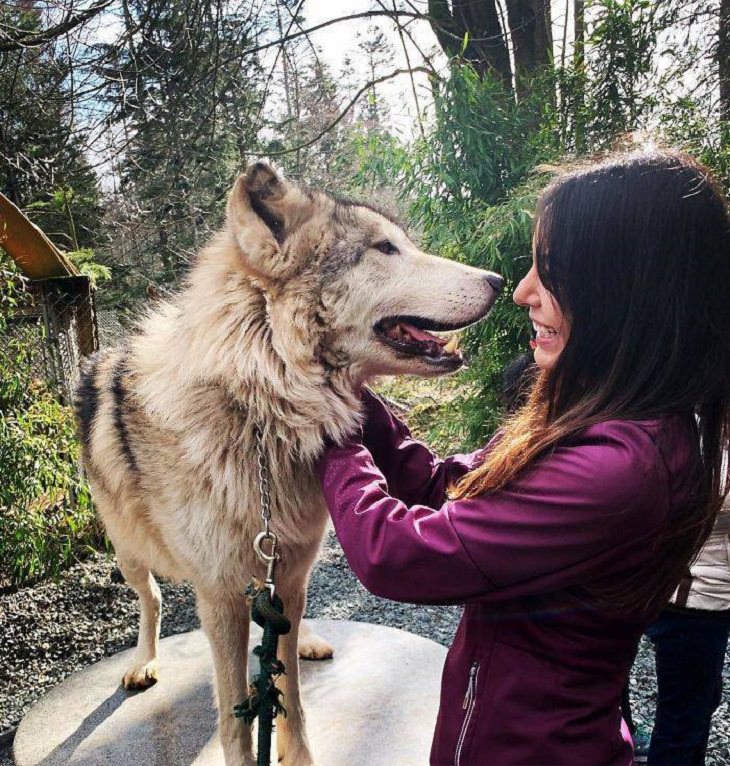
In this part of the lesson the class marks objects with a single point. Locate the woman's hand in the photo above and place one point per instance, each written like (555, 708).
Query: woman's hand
(374, 414)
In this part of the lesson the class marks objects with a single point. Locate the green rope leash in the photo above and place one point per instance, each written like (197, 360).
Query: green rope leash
(264, 701)
(267, 610)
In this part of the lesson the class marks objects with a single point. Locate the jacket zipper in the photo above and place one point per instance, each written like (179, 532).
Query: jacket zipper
(470, 700)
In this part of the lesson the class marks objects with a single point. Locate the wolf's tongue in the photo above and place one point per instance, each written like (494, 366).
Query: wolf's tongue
(421, 335)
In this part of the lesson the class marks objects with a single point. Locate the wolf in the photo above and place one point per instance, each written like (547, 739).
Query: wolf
(299, 300)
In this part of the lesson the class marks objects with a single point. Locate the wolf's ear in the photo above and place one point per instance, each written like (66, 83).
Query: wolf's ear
(262, 207)
(265, 191)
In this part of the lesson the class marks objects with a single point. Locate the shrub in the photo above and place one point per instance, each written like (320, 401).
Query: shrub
(46, 515)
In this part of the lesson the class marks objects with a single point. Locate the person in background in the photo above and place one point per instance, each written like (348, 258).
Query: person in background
(517, 379)
(690, 641)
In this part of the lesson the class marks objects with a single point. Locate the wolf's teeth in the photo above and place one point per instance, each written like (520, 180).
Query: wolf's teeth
(453, 345)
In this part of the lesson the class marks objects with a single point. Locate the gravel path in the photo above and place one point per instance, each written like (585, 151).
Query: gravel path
(48, 632)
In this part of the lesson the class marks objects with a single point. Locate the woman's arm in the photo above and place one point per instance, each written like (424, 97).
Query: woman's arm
(413, 473)
(579, 513)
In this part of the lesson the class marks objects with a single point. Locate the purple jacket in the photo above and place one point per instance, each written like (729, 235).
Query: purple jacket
(535, 673)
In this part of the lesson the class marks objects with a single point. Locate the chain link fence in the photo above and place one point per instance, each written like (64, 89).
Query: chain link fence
(112, 325)
(58, 326)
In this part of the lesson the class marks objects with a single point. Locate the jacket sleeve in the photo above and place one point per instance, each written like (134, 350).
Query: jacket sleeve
(573, 516)
(412, 472)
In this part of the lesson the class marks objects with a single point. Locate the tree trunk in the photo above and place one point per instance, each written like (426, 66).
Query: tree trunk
(532, 40)
(486, 47)
(723, 60)
(579, 67)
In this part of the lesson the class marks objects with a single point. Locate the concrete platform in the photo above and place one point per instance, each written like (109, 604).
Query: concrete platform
(374, 704)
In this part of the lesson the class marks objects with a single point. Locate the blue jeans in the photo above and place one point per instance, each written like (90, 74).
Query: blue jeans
(690, 651)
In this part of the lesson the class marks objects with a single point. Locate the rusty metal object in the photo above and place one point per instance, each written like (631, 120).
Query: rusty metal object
(62, 298)
(29, 247)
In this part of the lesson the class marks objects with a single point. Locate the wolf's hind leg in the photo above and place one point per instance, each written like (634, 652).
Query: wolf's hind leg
(311, 646)
(143, 671)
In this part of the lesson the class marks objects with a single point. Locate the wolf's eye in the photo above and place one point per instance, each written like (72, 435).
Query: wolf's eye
(387, 247)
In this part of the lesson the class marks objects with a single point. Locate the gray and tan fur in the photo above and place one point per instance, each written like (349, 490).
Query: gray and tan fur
(274, 327)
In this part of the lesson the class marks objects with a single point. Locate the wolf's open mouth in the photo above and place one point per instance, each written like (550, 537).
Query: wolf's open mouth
(409, 335)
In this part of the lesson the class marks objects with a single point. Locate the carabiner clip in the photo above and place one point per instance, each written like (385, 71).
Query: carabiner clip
(270, 559)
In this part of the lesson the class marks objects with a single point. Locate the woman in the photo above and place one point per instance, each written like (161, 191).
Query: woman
(564, 536)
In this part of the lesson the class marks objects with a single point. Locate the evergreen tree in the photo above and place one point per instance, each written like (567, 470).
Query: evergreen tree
(188, 103)
(43, 167)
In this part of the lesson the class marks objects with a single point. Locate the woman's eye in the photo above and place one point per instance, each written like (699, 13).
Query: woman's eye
(387, 247)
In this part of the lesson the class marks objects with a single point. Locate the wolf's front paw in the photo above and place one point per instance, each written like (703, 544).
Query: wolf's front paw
(141, 677)
(311, 647)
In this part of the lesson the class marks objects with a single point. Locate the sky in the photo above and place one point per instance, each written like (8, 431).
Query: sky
(339, 42)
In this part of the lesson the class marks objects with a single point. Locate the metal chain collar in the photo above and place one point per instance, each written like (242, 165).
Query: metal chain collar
(264, 487)
(269, 559)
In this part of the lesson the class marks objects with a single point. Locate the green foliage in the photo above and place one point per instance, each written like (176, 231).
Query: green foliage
(500, 239)
(472, 189)
(66, 217)
(46, 516)
(426, 404)
(686, 125)
(622, 42)
(483, 144)
(85, 262)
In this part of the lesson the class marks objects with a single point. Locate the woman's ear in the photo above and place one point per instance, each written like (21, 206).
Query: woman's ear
(263, 208)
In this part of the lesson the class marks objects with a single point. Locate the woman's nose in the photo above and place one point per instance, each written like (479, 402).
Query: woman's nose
(525, 292)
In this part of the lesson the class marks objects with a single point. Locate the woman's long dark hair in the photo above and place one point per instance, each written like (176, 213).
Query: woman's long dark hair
(636, 250)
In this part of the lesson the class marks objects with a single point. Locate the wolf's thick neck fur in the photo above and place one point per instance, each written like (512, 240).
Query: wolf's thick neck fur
(215, 334)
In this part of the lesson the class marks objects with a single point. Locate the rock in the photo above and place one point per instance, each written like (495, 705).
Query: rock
(375, 704)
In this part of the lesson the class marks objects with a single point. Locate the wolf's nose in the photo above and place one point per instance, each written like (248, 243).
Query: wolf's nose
(495, 282)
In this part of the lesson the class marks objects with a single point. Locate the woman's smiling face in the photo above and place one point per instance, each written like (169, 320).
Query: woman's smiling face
(551, 325)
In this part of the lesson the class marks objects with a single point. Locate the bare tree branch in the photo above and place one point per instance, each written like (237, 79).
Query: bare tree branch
(364, 89)
(408, 64)
(16, 40)
(494, 39)
(407, 32)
